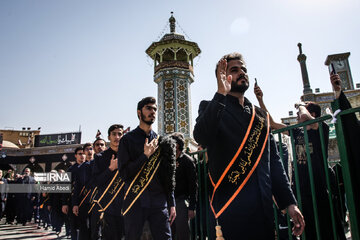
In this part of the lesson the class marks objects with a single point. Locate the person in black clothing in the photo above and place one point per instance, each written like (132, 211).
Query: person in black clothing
(82, 188)
(99, 145)
(10, 207)
(135, 150)
(66, 198)
(308, 111)
(351, 131)
(105, 173)
(185, 190)
(52, 202)
(26, 200)
(244, 167)
(3, 193)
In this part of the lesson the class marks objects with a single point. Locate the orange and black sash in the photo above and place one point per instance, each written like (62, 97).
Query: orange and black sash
(243, 164)
(141, 181)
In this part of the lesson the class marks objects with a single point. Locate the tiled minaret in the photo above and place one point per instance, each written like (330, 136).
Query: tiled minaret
(173, 72)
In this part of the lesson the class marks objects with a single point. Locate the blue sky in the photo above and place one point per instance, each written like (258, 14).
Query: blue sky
(66, 63)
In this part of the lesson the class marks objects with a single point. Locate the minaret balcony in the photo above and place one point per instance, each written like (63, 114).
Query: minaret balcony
(174, 64)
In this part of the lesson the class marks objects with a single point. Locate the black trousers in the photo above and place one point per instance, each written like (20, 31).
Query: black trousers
(74, 225)
(158, 219)
(84, 223)
(95, 223)
(181, 225)
(113, 227)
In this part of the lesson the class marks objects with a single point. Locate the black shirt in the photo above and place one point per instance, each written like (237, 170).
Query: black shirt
(102, 177)
(131, 158)
(186, 183)
(317, 161)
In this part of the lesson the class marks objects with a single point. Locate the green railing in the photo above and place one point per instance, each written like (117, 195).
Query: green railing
(200, 225)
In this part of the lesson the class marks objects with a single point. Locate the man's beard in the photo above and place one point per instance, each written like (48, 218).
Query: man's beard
(147, 122)
(238, 88)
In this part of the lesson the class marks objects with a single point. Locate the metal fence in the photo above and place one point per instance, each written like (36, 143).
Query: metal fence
(200, 225)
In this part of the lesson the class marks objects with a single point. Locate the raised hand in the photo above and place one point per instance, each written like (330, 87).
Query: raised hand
(223, 81)
(150, 148)
(258, 92)
(335, 82)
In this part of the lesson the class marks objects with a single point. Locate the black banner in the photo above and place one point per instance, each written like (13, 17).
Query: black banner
(57, 139)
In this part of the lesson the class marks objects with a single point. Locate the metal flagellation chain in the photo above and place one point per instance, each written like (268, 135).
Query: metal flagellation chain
(150, 63)
(161, 34)
(187, 36)
(198, 60)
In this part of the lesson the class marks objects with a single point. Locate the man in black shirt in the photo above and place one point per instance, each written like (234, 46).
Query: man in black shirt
(244, 166)
(26, 200)
(150, 199)
(185, 190)
(66, 198)
(99, 145)
(82, 188)
(110, 199)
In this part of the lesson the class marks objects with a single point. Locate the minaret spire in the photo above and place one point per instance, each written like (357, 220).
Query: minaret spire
(302, 60)
(172, 23)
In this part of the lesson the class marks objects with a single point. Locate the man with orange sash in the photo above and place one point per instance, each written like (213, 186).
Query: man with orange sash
(147, 196)
(245, 169)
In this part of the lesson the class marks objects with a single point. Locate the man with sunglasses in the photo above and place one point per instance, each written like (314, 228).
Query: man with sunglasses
(99, 145)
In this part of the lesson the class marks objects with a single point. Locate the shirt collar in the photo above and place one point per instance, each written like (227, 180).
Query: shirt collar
(235, 100)
(142, 132)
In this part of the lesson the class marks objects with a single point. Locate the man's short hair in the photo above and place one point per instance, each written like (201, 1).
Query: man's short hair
(87, 145)
(179, 138)
(231, 56)
(98, 139)
(113, 127)
(78, 149)
(314, 108)
(145, 101)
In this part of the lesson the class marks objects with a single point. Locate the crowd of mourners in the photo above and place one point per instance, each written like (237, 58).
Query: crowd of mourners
(138, 178)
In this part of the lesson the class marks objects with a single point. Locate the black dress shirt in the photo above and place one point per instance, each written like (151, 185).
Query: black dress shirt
(131, 158)
(186, 182)
(102, 177)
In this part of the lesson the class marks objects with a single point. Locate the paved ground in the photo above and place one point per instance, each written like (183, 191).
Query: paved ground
(29, 231)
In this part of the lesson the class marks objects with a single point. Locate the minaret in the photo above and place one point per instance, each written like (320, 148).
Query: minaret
(173, 72)
(302, 60)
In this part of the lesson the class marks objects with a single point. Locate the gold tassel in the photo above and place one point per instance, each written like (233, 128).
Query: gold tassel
(219, 235)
